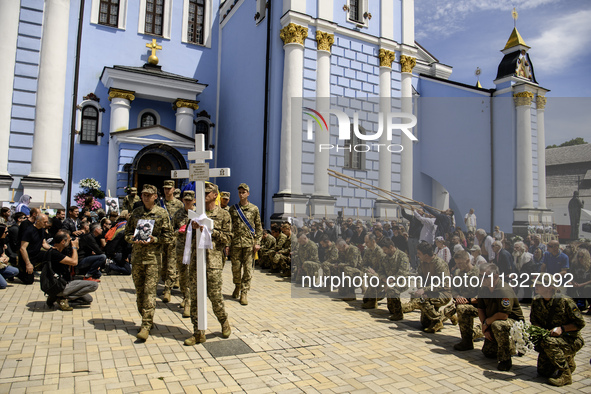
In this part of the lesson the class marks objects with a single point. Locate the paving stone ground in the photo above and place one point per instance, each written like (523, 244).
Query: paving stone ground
(298, 345)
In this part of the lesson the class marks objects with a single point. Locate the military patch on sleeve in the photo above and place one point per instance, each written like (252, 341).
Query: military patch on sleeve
(577, 312)
(506, 302)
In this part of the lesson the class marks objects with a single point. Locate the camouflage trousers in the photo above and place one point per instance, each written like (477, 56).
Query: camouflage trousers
(466, 314)
(242, 261)
(430, 310)
(266, 260)
(214, 293)
(555, 352)
(145, 279)
(182, 271)
(281, 262)
(168, 266)
(501, 347)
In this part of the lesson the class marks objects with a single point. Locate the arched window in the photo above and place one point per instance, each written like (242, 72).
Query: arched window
(89, 130)
(148, 119)
(202, 127)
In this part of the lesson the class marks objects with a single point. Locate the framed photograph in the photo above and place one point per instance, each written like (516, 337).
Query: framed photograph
(143, 230)
(111, 204)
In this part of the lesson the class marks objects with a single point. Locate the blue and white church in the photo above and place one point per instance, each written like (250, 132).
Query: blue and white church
(116, 90)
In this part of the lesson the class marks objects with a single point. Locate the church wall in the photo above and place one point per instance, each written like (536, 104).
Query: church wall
(242, 98)
(454, 147)
(505, 183)
(104, 46)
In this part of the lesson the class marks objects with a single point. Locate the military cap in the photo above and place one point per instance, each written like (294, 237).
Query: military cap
(286, 225)
(210, 187)
(244, 186)
(226, 195)
(169, 183)
(189, 195)
(149, 189)
(133, 190)
(177, 193)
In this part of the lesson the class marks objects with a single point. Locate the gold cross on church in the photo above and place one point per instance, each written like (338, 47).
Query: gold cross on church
(153, 59)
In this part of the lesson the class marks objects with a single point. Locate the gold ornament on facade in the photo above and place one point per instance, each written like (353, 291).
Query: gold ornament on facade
(541, 102)
(153, 59)
(293, 34)
(407, 63)
(181, 103)
(119, 93)
(523, 98)
(324, 40)
(386, 57)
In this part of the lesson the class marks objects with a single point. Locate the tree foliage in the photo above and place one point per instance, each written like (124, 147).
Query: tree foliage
(574, 141)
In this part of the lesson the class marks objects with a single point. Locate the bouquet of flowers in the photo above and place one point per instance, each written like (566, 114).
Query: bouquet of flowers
(526, 336)
(92, 188)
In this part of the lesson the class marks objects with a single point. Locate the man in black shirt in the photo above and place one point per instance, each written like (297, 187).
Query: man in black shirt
(91, 258)
(13, 245)
(33, 239)
(414, 234)
(75, 290)
(57, 222)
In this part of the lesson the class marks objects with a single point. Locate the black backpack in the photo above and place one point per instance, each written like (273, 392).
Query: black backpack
(52, 284)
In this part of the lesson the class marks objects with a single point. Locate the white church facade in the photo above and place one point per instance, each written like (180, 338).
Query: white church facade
(117, 89)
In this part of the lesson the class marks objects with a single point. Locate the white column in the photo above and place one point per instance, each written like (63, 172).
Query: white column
(406, 157)
(525, 184)
(385, 156)
(541, 107)
(185, 110)
(9, 17)
(49, 110)
(290, 181)
(408, 22)
(321, 158)
(120, 106)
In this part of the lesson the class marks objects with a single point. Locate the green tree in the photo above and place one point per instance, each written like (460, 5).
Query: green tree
(574, 141)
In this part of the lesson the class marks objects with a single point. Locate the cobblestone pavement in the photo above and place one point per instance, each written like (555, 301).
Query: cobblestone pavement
(296, 345)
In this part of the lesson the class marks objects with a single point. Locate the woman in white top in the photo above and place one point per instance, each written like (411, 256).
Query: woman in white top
(441, 250)
(498, 235)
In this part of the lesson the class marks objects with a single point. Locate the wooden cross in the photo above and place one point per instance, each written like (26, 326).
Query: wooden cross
(200, 172)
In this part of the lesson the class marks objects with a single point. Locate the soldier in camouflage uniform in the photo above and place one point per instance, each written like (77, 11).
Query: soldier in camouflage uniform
(432, 298)
(145, 255)
(245, 243)
(306, 254)
(179, 222)
(267, 251)
(224, 201)
(282, 258)
(331, 258)
(393, 264)
(168, 271)
(498, 309)
(560, 315)
(349, 265)
(221, 235)
(465, 302)
(371, 264)
(130, 200)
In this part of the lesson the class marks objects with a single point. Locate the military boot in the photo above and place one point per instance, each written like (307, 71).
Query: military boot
(64, 306)
(226, 330)
(464, 345)
(243, 299)
(370, 304)
(143, 334)
(236, 292)
(564, 378)
(183, 302)
(166, 295)
(187, 309)
(435, 326)
(198, 337)
(396, 316)
(506, 365)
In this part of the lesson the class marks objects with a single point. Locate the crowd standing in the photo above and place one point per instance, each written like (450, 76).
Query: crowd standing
(153, 239)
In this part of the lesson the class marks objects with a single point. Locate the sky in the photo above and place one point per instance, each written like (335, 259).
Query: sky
(467, 34)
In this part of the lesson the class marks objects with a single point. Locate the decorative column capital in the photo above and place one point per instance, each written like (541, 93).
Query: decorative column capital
(407, 63)
(541, 102)
(386, 57)
(523, 98)
(182, 103)
(293, 34)
(324, 40)
(120, 93)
